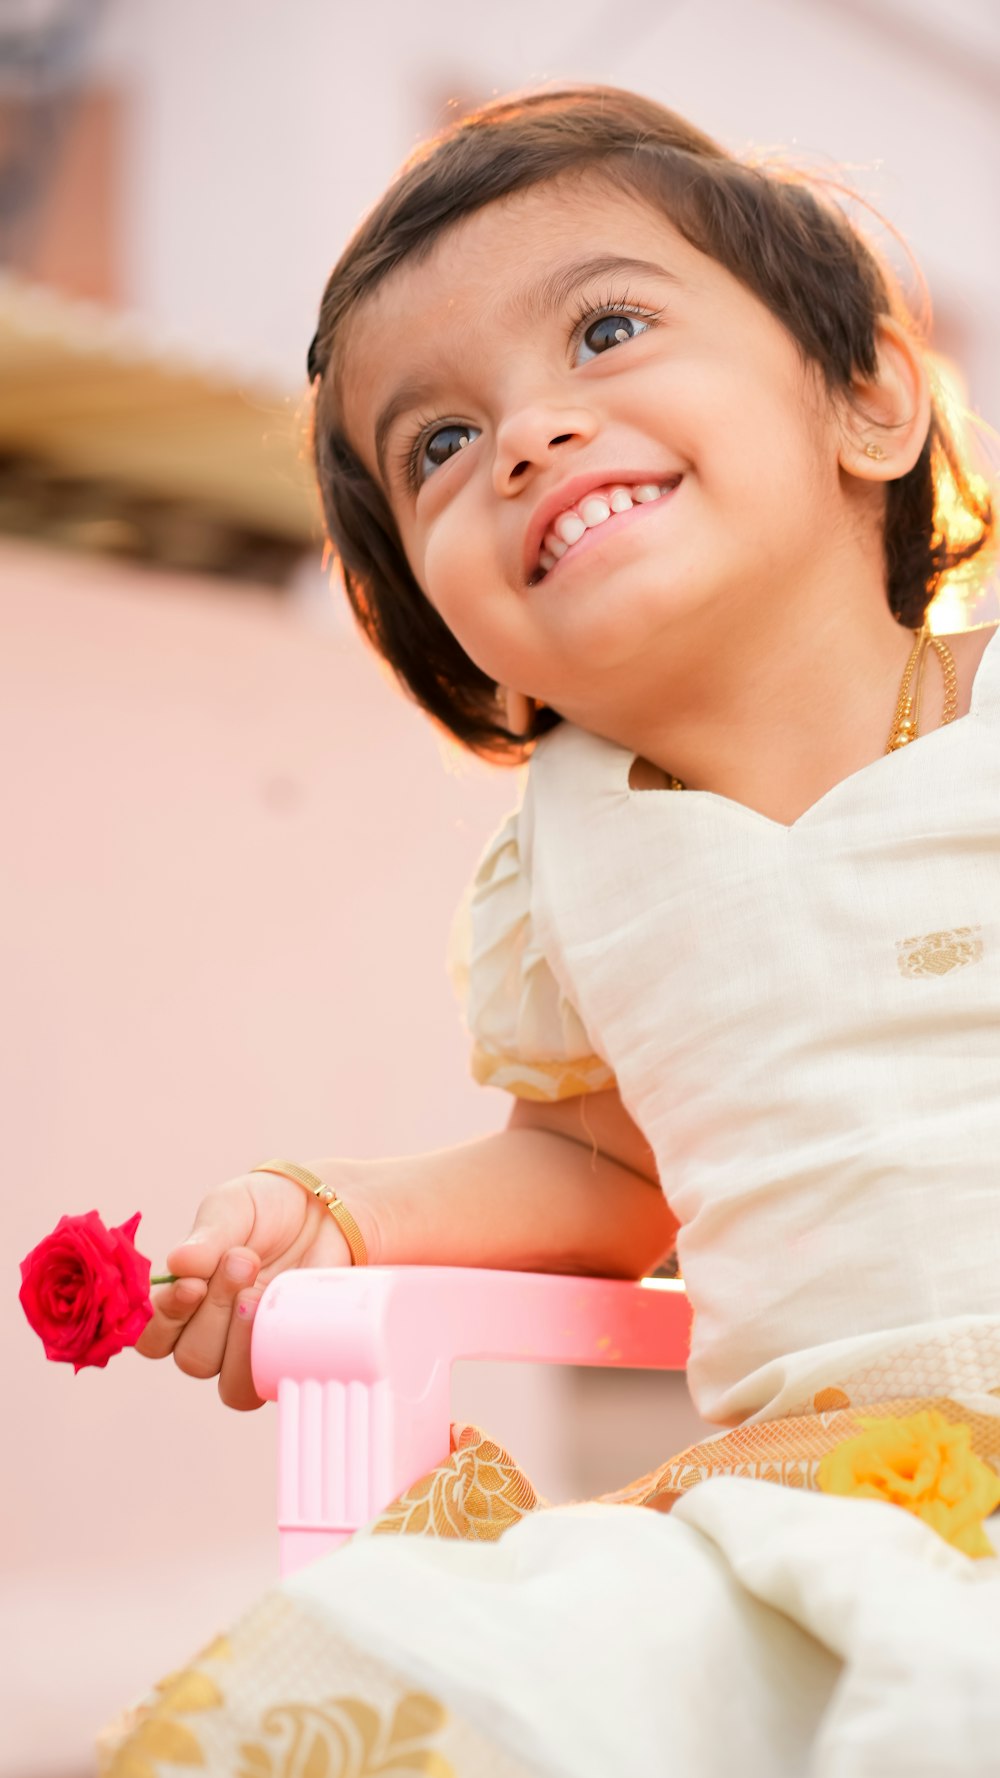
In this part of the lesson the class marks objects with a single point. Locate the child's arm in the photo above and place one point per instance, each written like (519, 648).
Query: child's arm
(529, 1198)
(567, 1187)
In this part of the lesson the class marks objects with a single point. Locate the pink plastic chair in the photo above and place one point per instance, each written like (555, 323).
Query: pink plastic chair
(359, 1363)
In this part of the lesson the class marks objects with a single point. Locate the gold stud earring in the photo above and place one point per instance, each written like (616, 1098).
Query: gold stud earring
(874, 450)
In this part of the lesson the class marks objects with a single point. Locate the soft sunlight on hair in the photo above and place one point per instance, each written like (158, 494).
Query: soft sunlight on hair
(962, 586)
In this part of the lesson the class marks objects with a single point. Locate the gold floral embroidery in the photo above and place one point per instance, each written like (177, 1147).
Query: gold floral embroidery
(346, 1738)
(937, 953)
(154, 1731)
(478, 1493)
(301, 1701)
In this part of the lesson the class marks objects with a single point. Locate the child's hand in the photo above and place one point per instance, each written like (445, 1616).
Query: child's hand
(244, 1233)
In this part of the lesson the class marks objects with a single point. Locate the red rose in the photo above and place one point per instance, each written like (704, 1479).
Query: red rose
(85, 1290)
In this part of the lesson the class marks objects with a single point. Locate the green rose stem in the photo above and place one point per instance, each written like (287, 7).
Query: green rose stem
(167, 1278)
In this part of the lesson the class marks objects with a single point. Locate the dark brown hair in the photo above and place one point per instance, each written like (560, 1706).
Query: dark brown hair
(775, 230)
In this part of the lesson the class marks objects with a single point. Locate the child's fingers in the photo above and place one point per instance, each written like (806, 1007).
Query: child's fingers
(224, 1220)
(235, 1380)
(173, 1307)
(201, 1345)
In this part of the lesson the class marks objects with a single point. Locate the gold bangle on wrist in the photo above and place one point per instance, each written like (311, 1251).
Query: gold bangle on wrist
(328, 1197)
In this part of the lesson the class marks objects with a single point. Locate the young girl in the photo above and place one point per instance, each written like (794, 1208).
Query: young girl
(637, 470)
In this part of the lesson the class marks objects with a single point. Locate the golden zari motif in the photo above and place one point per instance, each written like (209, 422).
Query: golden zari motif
(937, 953)
(285, 1696)
(477, 1494)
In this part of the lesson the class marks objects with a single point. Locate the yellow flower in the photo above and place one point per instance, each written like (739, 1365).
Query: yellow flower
(925, 1464)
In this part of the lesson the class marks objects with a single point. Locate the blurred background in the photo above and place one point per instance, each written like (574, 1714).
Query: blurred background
(212, 794)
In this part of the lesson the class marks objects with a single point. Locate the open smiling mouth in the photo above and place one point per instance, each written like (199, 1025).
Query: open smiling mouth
(599, 515)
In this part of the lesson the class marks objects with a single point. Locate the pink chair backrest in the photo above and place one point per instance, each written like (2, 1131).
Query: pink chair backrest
(359, 1362)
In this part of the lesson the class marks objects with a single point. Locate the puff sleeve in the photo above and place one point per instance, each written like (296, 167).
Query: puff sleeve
(527, 1038)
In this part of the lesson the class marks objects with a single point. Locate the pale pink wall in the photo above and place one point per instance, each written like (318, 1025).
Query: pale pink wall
(232, 853)
(231, 857)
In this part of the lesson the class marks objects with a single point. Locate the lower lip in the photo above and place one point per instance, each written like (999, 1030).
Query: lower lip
(607, 528)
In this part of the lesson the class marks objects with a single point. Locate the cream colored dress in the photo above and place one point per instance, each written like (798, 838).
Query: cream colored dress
(805, 1023)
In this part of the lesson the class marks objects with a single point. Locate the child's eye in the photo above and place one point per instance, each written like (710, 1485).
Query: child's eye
(437, 446)
(611, 329)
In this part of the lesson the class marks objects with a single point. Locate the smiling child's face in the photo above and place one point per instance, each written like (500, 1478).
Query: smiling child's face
(623, 376)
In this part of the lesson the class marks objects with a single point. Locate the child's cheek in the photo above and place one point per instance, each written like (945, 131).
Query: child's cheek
(447, 566)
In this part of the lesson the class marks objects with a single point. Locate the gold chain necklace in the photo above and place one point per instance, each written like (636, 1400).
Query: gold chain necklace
(905, 723)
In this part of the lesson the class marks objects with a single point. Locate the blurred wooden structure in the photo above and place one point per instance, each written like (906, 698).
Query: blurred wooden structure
(113, 441)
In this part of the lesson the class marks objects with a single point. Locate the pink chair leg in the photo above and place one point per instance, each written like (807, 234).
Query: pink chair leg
(360, 1362)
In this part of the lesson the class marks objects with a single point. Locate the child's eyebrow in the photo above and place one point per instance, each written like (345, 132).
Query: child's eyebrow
(538, 300)
(552, 291)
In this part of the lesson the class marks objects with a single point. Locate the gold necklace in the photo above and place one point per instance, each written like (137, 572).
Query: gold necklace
(905, 723)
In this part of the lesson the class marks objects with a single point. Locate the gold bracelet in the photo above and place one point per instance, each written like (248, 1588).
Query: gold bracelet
(326, 1195)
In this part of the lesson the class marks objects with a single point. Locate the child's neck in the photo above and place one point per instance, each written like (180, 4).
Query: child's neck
(793, 711)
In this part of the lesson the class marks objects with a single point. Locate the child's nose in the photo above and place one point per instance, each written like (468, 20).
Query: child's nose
(533, 437)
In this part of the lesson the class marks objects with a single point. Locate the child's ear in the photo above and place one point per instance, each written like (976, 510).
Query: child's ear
(885, 420)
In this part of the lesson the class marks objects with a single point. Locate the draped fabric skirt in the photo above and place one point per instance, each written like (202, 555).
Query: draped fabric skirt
(721, 1615)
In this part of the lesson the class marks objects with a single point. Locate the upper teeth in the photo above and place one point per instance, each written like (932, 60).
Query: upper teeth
(592, 510)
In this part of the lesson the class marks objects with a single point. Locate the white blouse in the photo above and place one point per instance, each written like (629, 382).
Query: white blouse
(803, 1020)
